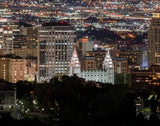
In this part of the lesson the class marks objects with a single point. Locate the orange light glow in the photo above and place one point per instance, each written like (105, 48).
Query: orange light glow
(84, 39)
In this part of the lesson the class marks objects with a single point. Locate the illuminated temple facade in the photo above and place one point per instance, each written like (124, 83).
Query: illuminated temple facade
(106, 75)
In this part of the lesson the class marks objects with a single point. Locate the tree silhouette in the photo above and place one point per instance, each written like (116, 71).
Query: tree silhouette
(73, 99)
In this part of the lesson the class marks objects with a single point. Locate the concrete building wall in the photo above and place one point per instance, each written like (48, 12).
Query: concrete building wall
(12, 69)
(17, 70)
(55, 49)
(98, 76)
(154, 40)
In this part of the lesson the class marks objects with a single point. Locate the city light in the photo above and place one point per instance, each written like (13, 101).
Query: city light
(79, 60)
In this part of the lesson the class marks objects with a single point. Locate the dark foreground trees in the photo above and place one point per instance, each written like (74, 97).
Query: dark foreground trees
(73, 99)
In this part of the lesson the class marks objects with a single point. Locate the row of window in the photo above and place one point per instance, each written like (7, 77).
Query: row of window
(55, 33)
(90, 75)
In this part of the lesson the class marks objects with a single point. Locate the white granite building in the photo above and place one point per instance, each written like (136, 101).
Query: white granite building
(106, 75)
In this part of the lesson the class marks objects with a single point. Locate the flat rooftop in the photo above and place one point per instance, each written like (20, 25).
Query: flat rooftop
(58, 23)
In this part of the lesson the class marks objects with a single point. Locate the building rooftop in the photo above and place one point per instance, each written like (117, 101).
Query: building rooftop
(12, 56)
(59, 23)
(25, 24)
(4, 86)
(153, 68)
(118, 59)
(88, 58)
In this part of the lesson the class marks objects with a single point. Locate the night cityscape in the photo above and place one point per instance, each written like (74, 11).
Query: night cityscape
(80, 62)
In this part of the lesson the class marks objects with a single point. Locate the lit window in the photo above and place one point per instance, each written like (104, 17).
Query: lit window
(137, 80)
(1, 101)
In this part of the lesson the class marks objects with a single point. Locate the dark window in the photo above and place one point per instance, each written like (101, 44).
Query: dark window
(1, 108)
(11, 94)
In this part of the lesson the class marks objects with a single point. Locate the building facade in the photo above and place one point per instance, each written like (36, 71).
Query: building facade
(8, 28)
(146, 78)
(25, 52)
(11, 24)
(8, 41)
(31, 69)
(120, 65)
(31, 34)
(26, 43)
(105, 75)
(55, 49)
(154, 40)
(7, 98)
(88, 63)
(99, 57)
(84, 45)
(12, 68)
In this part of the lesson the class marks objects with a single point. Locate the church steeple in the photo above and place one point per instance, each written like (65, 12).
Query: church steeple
(107, 61)
(74, 60)
(75, 66)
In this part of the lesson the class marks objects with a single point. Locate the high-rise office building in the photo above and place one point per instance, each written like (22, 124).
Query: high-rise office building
(8, 28)
(19, 41)
(7, 40)
(32, 36)
(154, 40)
(84, 45)
(55, 47)
(25, 45)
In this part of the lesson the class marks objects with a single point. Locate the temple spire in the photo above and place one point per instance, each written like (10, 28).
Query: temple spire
(74, 60)
(107, 61)
(75, 66)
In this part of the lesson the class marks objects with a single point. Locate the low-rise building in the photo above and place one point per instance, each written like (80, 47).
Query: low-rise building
(25, 52)
(145, 78)
(31, 69)
(12, 68)
(88, 63)
(120, 65)
(7, 97)
(99, 57)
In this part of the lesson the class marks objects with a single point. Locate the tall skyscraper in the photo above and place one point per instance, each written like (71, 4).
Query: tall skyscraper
(154, 40)
(31, 34)
(8, 28)
(55, 47)
(84, 45)
(7, 40)
(25, 45)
